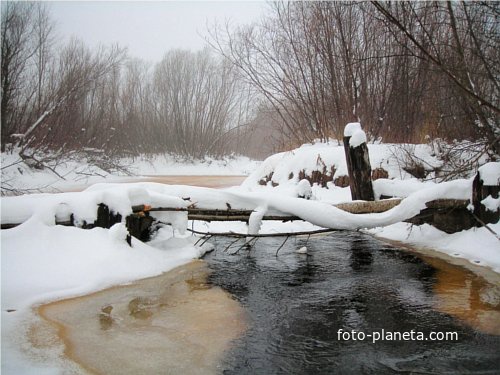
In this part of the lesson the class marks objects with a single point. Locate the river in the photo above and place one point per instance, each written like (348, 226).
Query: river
(254, 312)
(297, 304)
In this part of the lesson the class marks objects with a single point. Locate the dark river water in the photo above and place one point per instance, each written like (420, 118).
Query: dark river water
(297, 303)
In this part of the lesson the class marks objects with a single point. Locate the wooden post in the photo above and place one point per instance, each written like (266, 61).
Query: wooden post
(105, 217)
(358, 163)
(139, 225)
(482, 189)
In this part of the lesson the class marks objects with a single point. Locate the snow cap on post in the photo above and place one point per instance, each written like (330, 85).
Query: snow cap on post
(350, 128)
(353, 131)
(357, 138)
(490, 173)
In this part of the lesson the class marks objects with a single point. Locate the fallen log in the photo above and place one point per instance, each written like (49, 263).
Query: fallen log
(202, 214)
(447, 215)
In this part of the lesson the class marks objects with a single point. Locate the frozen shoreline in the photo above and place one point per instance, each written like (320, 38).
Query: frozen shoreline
(28, 317)
(34, 253)
(66, 362)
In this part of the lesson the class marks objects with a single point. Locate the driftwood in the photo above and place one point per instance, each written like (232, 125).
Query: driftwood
(448, 215)
(244, 215)
(139, 222)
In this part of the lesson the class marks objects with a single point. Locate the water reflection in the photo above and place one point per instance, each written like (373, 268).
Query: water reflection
(361, 256)
(350, 281)
(466, 296)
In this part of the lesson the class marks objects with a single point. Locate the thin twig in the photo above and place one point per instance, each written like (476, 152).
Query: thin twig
(283, 244)
(231, 244)
(286, 234)
(486, 226)
(247, 243)
(208, 238)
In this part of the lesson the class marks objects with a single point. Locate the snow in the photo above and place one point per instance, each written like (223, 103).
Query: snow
(399, 188)
(490, 173)
(78, 172)
(304, 189)
(118, 197)
(491, 204)
(351, 128)
(302, 250)
(328, 156)
(357, 138)
(42, 261)
(476, 245)
(324, 215)
(255, 219)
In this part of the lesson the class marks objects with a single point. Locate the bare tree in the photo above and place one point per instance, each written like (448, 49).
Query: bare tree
(461, 41)
(197, 102)
(407, 70)
(16, 31)
(61, 126)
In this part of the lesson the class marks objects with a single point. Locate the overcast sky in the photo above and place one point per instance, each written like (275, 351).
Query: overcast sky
(149, 28)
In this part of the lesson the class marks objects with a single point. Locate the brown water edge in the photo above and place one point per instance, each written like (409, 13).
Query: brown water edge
(217, 182)
(463, 290)
(205, 181)
(173, 323)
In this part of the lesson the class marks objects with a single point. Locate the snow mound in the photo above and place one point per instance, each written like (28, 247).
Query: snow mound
(465, 244)
(286, 169)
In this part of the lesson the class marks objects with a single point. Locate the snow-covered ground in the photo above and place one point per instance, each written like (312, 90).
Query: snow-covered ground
(42, 261)
(76, 173)
(477, 245)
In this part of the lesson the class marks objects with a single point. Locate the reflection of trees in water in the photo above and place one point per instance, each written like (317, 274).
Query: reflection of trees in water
(361, 255)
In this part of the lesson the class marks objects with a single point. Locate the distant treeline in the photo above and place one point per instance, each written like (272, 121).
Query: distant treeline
(72, 97)
(406, 70)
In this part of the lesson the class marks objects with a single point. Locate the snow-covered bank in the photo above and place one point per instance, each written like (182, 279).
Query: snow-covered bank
(120, 198)
(43, 262)
(281, 173)
(477, 245)
(78, 173)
